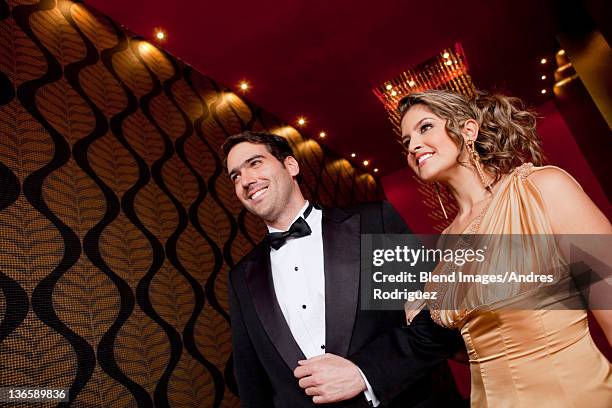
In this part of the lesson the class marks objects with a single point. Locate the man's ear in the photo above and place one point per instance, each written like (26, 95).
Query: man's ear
(470, 129)
(292, 165)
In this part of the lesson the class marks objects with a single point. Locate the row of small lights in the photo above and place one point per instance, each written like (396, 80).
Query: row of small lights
(161, 36)
(544, 61)
(302, 123)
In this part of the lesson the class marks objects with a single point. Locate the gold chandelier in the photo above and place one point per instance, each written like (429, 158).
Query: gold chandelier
(447, 70)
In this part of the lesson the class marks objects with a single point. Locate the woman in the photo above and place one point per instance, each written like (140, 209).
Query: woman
(486, 152)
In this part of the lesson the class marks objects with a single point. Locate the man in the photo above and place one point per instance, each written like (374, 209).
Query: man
(299, 337)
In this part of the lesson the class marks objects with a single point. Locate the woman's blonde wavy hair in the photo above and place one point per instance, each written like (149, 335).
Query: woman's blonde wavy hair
(507, 134)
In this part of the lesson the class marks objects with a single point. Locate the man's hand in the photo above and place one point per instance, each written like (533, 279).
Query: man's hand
(329, 378)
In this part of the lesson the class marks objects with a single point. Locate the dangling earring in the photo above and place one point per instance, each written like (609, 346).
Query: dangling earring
(476, 161)
(437, 187)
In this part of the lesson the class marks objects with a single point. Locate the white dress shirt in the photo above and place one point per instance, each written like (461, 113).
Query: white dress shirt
(298, 274)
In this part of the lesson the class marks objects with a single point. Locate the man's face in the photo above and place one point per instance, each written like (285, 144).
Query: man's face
(263, 184)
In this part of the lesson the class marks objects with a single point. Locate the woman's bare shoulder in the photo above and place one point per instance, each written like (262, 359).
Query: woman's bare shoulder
(569, 208)
(553, 178)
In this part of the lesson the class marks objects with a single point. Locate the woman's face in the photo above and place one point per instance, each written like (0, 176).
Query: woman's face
(431, 153)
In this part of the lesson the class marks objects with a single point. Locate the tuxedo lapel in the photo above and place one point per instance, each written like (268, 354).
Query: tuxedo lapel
(341, 249)
(261, 287)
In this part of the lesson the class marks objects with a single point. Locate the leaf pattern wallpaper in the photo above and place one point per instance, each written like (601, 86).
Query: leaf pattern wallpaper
(118, 225)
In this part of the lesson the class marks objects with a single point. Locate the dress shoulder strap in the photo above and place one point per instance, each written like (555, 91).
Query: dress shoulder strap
(524, 170)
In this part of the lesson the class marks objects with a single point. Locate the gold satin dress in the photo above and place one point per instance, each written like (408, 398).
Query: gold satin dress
(539, 357)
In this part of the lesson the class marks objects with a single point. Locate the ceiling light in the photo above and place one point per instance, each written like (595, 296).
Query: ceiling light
(353, 155)
(366, 162)
(449, 62)
(411, 83)
(375, 170)
(446, 55)
(389, 86)
(301, 121)
(244, 85)
(160, 34)
(393, 93)
(322, 135)
(543, 91)
(543, 77)
(543, 61)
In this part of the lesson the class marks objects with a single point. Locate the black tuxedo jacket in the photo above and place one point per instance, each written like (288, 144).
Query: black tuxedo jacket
(405, 366)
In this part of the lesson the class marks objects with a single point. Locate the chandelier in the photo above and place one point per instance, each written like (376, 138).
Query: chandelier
(447, 70)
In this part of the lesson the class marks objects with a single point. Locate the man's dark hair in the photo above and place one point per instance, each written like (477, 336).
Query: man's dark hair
(276, 145)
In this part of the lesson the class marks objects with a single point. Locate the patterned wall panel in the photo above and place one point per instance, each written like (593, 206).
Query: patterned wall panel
(118, 224)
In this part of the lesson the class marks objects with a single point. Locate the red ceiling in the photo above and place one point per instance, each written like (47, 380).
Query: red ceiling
(321, 58)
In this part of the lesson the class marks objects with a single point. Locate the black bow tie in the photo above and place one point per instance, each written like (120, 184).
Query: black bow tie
(299, 228)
